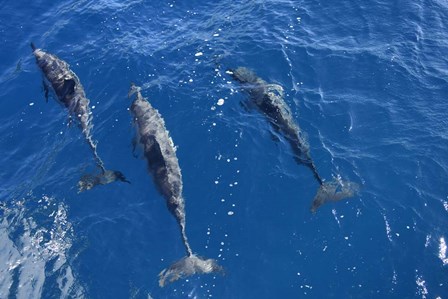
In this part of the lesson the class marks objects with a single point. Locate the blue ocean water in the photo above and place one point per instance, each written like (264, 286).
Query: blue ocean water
(367, 81)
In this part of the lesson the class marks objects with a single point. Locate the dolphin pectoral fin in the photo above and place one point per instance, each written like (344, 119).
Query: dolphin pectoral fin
(46, 89)
(274, 132)
(137, 148)
(247, 106)
(244, 106)
(134, 147)
(274, 137)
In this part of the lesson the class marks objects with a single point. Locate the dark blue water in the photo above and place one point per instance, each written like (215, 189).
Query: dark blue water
(367, 81)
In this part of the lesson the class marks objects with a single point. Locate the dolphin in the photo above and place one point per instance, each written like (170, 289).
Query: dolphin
(160, 154)
(70, 93)
(268, 98)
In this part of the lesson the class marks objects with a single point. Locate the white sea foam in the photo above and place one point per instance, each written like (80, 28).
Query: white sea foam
(421, 287)
(388, 230)
(38, 252)
(442, 251)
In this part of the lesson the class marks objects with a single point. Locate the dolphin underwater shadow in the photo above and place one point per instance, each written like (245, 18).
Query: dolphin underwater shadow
(268, 98)
(160, 154)
(59, 78)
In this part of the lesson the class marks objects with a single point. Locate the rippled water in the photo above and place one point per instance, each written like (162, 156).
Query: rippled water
(367, 82)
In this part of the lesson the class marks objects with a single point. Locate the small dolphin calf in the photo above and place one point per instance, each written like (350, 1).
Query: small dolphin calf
(268, 98)
(70, 93)
(160, 153)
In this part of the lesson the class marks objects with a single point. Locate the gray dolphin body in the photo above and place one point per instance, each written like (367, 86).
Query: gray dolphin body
(160, 154)
(268, 98)
(70, 93)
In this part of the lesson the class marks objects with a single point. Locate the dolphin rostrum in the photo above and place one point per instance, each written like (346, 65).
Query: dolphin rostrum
(70, 93)
(160, 154)
(268, 98)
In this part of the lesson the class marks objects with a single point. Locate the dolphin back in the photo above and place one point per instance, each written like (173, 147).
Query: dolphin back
(244, 75)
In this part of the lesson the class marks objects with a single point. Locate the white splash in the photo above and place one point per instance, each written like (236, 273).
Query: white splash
(428, 238)
(335, 214)
(394, 277)
(388, 230)
(445, 205)
(40, 252)
(351, 122)
(442, 251)
(421, 287)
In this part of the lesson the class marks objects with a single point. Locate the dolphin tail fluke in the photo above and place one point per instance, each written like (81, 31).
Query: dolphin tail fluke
(33, 46)
(89, 181)
(334, 190)
(188, 266)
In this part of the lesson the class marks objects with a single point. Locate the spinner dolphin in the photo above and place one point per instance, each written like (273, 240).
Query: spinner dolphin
(160, 154)
(70, 93)
(268, 98)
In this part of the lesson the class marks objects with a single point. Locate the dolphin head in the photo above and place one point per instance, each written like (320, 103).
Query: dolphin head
(243, 75)
(110, 176)
(120, 176)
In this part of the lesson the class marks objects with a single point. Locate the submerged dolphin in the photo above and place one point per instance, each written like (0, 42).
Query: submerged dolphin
(160, 153)
(268, 98)
(70, 93)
